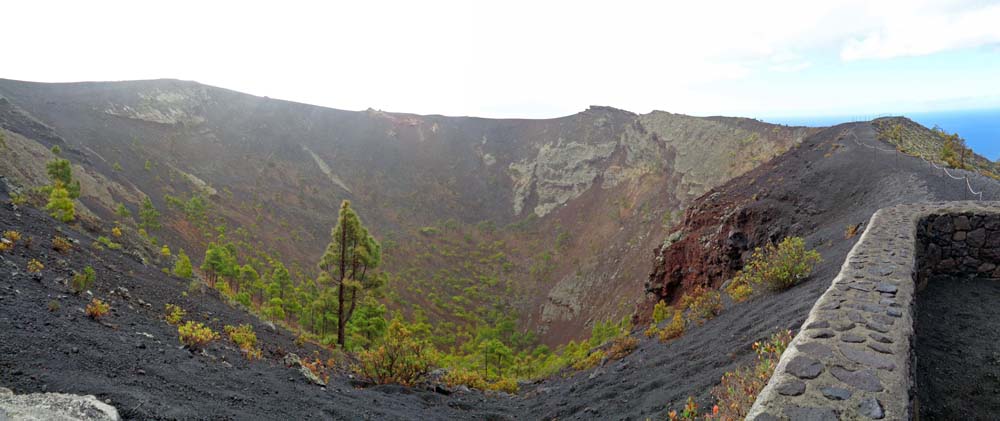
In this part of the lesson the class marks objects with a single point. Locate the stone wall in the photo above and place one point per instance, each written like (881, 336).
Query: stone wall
(852, 358)
(959, 245)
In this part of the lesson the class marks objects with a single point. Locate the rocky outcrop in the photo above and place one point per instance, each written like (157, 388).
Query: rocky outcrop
(560, 172)
(293, 361)
(54, 407)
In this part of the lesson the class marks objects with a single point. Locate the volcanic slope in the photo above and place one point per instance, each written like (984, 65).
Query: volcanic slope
(556, 211)
(132, 358)
(815, 190)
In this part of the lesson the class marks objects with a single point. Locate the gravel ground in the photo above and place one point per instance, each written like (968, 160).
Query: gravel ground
(958, 349)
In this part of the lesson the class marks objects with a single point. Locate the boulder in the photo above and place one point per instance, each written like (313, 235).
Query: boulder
(54, 406)
(292, 360)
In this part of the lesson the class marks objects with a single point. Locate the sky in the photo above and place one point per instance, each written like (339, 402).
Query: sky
(532, 59)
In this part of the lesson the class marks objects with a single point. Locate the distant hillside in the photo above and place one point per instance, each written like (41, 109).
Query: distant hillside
(555, 213)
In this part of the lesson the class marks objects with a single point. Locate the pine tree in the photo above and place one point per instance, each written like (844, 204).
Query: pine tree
(60, 204)
(275, 309)
(214, 263)
(182, 267)
(60, 171)
(368, 323)
(248, 277)
(122, 212)
(280, 279)
(149, 217)
(349, 257)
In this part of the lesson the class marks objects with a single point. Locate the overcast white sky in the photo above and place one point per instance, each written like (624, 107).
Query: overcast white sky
(532, 58)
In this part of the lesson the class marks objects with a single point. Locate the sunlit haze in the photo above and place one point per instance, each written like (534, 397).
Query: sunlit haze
(532, 59)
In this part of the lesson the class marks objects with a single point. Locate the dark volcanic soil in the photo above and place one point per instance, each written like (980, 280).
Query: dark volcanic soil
(958, 349)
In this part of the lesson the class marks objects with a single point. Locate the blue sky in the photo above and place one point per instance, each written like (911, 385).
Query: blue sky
(522, 58)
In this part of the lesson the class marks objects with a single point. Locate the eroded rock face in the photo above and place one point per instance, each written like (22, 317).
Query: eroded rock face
(54, 407)
(560, 172)
(180, 105)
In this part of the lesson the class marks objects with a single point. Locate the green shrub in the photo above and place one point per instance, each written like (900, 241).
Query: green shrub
(702, 304)
(622, 346)
(401, 358)
(590, 361)
(173, 314)
(244, 337)
(778, 267)
(106, 242)
(61, 244)
(97, 309)
(195, 335)
(674, 329)
(661, 312)
(739, 388)
(83, 280)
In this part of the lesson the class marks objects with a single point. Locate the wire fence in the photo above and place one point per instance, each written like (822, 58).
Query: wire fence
(971, 193)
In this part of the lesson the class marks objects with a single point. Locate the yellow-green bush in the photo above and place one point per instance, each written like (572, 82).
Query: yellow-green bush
(61, 244)
(97, 309)
(34, 266)
(674, 329)
(173, 314)
(702, 304)
(12, 236)
(622, 346)
(244, 337)
(195, 335)
(739, 388)
(779, 267)
(461, 376)
(739, 292)
(82, 281)
(401, 358)
(504, 384)
(590, 361)
(661, 312)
